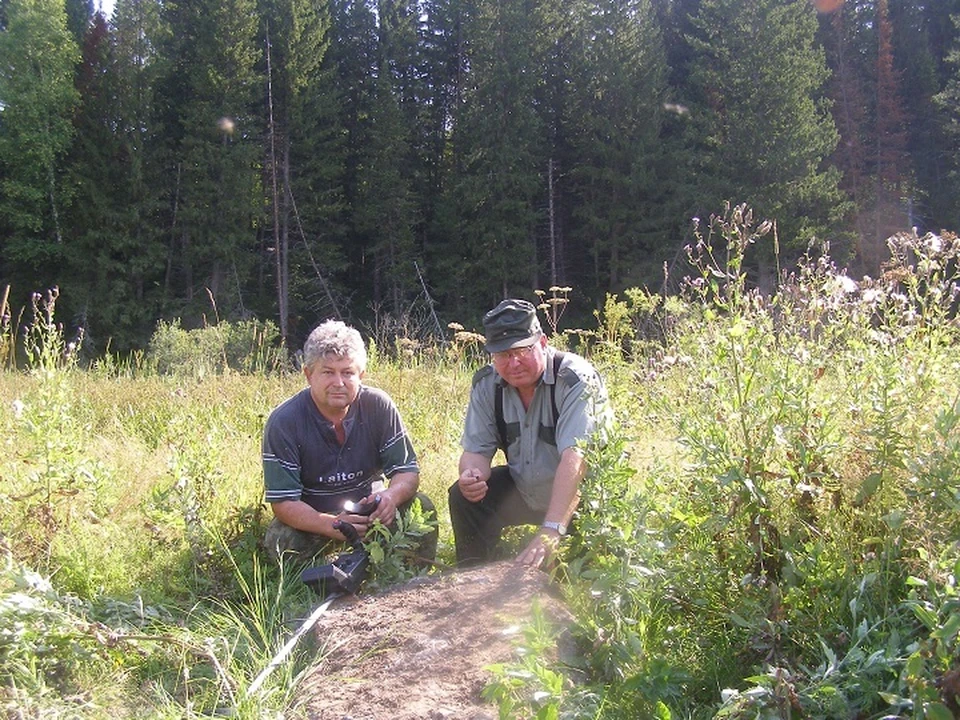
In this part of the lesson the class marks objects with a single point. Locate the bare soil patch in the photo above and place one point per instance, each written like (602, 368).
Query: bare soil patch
(421, 651)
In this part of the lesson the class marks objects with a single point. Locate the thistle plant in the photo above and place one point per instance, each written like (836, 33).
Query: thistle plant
(54, 472)
(7, 341)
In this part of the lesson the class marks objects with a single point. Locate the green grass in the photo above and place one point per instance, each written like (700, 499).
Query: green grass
(770, 532)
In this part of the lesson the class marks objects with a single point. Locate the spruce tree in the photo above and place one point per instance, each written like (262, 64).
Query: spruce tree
(304, 165)
(354, 53)
(918, 57)
(618, 175)
(849, 89)
(213, 130)
(948, 100)
(496, 193)
(556, 101)
(892, 174)
(764, 130)
(114, 259)
(80, 14)
(386, 211)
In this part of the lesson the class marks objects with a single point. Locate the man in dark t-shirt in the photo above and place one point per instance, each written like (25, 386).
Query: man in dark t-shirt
(333, 443)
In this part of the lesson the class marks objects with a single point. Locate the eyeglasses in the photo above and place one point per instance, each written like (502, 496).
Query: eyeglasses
(505, 356)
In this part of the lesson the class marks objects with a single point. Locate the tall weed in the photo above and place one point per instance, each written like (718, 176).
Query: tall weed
(53, 478)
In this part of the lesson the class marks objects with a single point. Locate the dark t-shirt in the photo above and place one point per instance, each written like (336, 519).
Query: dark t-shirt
(302, 459)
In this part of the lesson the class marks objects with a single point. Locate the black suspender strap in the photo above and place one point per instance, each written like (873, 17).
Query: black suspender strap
(557, 359)
(498, 414)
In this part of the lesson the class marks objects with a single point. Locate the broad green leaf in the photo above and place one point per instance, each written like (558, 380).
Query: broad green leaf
(937, 711)
(925, 615)
(893, 699)
(948, 630)
(869, 487)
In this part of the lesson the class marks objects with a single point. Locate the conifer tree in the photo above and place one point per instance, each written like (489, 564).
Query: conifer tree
(765, 131)
(386, 209)
(623, 79)
(443, 65)
(563, 77)
(114, 260)
(304, 161)
(213, 132)
(873, 123)
(918, 58)
(496, 192)
(354, 53)
(80, 14)
(948, 100)
(445, 71)
(848, 90)
(892, 176)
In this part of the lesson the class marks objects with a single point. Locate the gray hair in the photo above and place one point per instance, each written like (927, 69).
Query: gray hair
(334, 338)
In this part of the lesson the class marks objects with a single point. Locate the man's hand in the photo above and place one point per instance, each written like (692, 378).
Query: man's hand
(386, 510)
(540, 549)
(361, 517)
(361, 523)
(472, 485)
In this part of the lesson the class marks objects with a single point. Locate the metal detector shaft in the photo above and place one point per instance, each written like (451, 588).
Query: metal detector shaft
(291, 644)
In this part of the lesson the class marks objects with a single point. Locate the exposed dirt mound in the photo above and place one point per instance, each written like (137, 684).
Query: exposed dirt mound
(421, 651)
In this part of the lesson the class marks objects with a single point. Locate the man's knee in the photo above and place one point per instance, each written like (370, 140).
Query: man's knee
(455, 498)
(426, 505)
(427, 546)
(281, 540)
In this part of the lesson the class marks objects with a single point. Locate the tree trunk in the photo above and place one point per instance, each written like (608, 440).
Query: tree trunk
(279, 253)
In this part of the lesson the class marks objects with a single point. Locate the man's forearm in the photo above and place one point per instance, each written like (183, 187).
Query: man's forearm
(403, 486)
(566, 486)
(297, 514)
(475, 461)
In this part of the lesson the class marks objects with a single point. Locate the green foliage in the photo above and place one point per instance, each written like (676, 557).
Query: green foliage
(616, 118)
(55, 478)
(245, 346)
(786, 557)
(529, 688)
(394, 552)
(770, 529)
(45, 640)
(490, 201)
(38, 55)
(761, 125)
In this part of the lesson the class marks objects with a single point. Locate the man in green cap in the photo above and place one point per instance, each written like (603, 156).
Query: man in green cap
(536, 404)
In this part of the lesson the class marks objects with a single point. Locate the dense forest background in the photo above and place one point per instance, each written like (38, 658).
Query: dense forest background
(409, 162)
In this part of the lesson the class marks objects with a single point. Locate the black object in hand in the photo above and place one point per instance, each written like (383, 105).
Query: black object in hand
(361, 508)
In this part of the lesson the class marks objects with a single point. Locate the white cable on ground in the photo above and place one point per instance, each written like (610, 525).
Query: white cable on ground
(291, 643)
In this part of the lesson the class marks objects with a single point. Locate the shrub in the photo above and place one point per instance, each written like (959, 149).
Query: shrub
(247, 346)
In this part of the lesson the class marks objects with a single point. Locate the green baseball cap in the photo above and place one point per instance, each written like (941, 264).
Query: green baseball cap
(513, 323)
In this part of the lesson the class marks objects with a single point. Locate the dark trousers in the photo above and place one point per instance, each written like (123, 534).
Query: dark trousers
(477, 526)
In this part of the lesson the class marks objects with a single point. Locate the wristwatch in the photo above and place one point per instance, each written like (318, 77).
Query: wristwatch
(559, 527)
